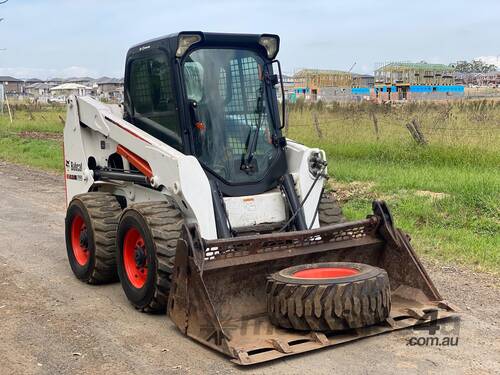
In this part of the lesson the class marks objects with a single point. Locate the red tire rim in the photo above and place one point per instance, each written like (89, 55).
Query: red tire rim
(80, 240)
(325, 273)
(135, 259)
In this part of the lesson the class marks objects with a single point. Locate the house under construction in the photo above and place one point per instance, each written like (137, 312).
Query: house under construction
(392, 81)
(405, 80)
(328, 85)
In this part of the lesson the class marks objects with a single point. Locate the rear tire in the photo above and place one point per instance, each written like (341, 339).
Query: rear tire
(329, 211)
(146, 242)
(358, 298)
(91, 223)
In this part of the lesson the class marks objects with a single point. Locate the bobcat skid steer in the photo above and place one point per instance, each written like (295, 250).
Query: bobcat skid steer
(192, 197)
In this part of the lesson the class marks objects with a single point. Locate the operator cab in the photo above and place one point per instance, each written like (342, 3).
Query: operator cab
(212, 96)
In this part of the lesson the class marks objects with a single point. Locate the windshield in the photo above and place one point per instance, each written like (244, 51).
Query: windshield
(228, 99)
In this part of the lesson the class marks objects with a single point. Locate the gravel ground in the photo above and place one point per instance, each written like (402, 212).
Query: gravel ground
(53, 324)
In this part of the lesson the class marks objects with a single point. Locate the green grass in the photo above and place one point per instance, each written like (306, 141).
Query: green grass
(16, 147)
(44, 154)
(462, 162)
(46, 121)
(463, 225)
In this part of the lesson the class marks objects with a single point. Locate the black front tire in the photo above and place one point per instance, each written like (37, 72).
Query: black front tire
(329, 211)
(100, 213)
(159, 224)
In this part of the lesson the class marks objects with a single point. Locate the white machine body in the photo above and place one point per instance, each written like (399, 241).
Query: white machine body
(95, 130)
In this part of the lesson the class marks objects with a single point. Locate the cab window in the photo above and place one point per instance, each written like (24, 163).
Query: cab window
(153, 101)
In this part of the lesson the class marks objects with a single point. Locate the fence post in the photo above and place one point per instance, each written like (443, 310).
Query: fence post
(1, 98)
(8, 107)
(418, 128)
(287, 124)
(316, 125)
(30, 113)
(375, 124)
(416, 132)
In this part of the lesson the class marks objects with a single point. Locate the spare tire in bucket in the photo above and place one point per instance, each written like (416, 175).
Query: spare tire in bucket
(328, 296)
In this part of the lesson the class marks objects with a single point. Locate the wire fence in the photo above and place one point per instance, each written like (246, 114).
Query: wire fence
(453, 125)
(325, 124)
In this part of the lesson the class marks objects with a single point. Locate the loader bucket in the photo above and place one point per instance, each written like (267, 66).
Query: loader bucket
(218, 295)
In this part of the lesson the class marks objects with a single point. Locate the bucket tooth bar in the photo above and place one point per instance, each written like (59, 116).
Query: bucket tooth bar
(218, 293)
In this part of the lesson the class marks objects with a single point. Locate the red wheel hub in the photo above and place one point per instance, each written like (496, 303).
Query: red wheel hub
(80, 240)
(135, 258)
(325, 273)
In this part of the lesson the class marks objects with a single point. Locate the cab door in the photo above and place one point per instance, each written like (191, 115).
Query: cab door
(153, 103)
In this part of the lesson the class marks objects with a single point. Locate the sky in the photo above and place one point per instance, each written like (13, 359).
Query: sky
(50, 38)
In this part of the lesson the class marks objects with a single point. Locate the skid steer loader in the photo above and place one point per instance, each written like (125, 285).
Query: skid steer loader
(194, 199)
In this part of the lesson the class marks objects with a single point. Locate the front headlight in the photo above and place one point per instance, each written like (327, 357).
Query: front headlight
(271, 43)
(185, 41)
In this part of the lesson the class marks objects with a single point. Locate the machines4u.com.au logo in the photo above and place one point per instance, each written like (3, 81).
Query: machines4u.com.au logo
(439, 333)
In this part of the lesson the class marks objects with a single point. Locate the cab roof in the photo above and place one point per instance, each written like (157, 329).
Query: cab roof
(220, 39)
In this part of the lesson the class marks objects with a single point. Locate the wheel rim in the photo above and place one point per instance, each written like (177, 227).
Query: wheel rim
(80, 240)
(135, 258)
(325, 273)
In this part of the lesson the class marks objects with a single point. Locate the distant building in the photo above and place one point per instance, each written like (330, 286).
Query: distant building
(404, 80)
(31, 81)
(404, 73)
(362, 80)
(109, 88)
(67, 89)
(491, 79)
(322, 84)
(288, 82)
(11, 85)
(85, 81)
(288, 87)
(362, 86)
(55, 81)
(38, 90)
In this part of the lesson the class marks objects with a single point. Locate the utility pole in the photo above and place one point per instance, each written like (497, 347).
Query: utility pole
(1, 19)
(2, 91)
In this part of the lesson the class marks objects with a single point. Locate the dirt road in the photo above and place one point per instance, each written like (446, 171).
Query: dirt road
(50, 323)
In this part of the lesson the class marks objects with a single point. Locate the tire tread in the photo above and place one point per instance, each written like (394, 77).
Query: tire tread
(330, 307)
(165, 223)
(329, 211)
(104, 211)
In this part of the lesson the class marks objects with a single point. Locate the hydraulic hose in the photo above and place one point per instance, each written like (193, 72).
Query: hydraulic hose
(320, 174)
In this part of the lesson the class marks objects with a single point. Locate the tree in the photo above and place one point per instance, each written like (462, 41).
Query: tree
(475, 66)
